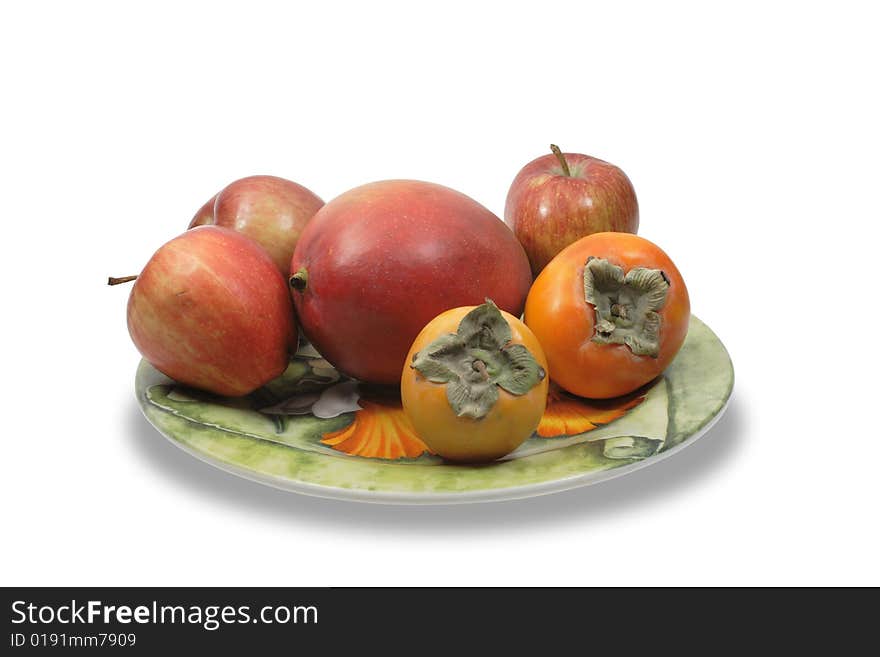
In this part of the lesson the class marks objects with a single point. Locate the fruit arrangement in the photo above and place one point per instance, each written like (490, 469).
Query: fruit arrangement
(466, 327)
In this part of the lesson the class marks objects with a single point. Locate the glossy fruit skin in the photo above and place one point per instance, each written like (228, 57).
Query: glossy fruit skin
(511, 421)
(385, 258)
(548, 210)
(211, 310)
(558, 313)
(271, 211)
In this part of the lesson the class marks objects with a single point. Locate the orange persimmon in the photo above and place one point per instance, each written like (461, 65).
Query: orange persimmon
(611, 311)
(475, 383)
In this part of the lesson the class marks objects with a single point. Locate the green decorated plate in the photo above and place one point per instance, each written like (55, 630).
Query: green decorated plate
(313, 431)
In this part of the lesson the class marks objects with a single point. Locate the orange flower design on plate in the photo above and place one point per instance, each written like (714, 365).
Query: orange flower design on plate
(567, 415)
(380, 430)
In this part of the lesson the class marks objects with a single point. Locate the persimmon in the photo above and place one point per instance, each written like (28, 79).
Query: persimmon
(611, 312)
(475, 383)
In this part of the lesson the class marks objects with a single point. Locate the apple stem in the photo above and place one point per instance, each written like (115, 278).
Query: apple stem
(562, 162)
(117, 281)
(299, 280)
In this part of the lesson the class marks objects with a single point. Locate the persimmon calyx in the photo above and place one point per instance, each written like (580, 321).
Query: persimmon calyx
(476, 360)
(626, 305)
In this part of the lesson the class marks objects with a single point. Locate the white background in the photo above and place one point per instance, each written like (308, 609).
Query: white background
(750, 134)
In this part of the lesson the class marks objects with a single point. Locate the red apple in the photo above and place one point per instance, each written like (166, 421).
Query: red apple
(376, 264)
(561, 197)
(211, 310)
(271, 211)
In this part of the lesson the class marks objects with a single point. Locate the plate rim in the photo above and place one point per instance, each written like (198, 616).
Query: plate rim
(398, 498)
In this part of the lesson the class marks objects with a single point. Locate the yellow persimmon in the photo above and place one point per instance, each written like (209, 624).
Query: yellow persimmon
(475, 383)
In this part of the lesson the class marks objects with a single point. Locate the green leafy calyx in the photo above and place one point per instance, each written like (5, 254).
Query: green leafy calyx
(627, 305)
(476, 360)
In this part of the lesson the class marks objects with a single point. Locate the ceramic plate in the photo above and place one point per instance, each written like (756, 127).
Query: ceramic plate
(313, 431)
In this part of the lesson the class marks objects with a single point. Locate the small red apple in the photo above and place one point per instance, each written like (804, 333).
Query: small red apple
(271, 211)
(211, 310)
(561, 197)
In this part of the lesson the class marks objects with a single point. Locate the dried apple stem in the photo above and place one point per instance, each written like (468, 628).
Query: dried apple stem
(300, 280)
(562, 161)
(112, 280)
